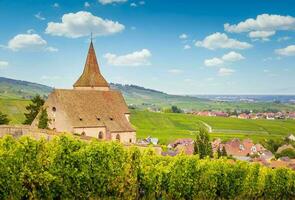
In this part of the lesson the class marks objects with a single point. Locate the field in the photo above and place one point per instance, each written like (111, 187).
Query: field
(168, 126)
(14, 108)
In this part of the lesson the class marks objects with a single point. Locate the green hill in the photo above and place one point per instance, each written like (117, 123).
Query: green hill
(142, 98)
(168, 126)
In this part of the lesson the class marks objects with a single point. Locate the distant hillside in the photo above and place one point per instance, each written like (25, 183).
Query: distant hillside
(142, 97)
(10, 88)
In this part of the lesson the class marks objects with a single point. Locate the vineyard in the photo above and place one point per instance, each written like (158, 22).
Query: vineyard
(67, 168)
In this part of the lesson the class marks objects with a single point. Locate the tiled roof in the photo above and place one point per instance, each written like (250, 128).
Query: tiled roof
(88, 108)
(91, 76)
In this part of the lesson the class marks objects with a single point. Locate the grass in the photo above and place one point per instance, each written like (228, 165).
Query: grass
(14, 108)
(168, 127)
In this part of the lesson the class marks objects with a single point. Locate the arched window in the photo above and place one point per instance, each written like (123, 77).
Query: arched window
(83, 133)
(118, 137)
(100, 135)
(54, 109)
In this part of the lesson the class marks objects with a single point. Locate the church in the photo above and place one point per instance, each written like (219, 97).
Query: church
(91, 108)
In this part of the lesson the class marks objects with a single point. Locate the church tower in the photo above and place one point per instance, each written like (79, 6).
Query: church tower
(91, 78)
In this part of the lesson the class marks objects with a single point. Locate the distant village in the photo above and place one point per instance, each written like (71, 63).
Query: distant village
(235, 149)
(243, 115)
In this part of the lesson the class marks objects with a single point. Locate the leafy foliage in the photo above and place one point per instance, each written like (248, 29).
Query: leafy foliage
(286, 153)
(202, 144)
(3, 119)
(43, 119)
(33, 109)
(67, 168)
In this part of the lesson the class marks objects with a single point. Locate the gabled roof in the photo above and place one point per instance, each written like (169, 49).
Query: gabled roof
(91, 108)
(91, 76)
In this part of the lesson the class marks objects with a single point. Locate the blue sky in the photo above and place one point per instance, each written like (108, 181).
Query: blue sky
(179, 47)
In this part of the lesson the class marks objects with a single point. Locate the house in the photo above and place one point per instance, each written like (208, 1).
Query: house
(185, 145)
(244, 116)
(284, 147)
(91, 108)
(291, 137)
(243, 149)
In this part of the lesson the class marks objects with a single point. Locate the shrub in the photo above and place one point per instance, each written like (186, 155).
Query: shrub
(67, 168)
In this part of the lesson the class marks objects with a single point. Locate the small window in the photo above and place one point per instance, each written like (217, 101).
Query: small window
(83, 133)
(80, 119)
(100, 135)
(118, 137)
(111, 118)
(130, 140)
(54, 109)
(98, 119)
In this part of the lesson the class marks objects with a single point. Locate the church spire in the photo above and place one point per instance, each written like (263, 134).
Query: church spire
(91, 76)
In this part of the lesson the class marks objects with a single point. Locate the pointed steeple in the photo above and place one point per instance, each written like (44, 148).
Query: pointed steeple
(91, 76)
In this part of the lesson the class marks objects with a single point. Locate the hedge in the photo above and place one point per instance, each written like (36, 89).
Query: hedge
(67, 168)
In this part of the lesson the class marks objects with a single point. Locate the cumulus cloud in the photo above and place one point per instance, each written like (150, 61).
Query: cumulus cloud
(136, 58)
(225, 72)
(175, 71)
(229, 57)
(105, 2)
(133, 4)
(264, 22)
(29, 41)
(75, 25)
(263, 35)
(232, 57)
(221, 41)
(39, 16)
(86, 4)
(186, 47)
(213, 62)
(55, 5)
(183, 36)
(3, 64)
(285, 38)
(287, 51)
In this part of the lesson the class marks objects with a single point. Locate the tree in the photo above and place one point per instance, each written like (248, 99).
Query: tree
(43, 119)
(223, 152)
(3, 118)
(33, 109)
(218, 153)
(202, 144)
(286, 153)
(175, 109)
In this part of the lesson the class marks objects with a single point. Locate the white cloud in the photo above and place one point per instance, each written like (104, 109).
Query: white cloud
(105, 2)
(80, 24)
(133, 28)
(86, 4)
(50, 78)
(225, 72)
(175, 71)
(136, 58)
(3, 64)
(142, 2)
(285, 38)
(133, 4)
(221, 41)
(30, 42)
(186, 47)
(39, 16)
(232, 57)
(287, 51)
(213, 62)
(263, 35)
(183, 36)
(55, 5)
(264, 22)
(229, 57)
